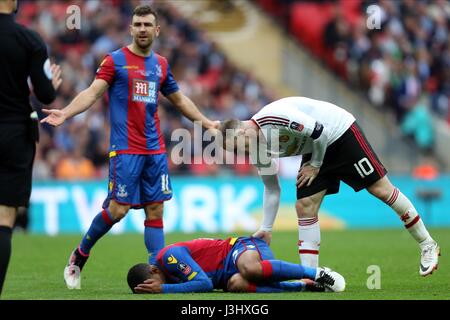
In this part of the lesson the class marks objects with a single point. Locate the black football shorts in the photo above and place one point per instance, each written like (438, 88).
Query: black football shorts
(350, 159)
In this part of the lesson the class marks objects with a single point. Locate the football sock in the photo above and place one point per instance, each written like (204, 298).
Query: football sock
(309, 241)
(101, 224)
(153, 238)
(408, 214)
(5, 252)
(278, 270)
(284, 286)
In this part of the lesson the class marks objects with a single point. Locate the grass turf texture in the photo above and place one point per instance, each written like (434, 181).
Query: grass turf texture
(37, 263)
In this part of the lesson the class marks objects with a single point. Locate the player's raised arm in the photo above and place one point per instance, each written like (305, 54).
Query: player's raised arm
(190, 110)
(83, 101)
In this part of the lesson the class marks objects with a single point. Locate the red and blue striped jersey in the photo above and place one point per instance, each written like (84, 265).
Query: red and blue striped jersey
(134, 83)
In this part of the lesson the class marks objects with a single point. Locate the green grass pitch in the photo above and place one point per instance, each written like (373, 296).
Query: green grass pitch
(37, 263)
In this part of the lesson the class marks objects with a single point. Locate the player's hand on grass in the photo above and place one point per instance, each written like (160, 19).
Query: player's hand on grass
(56, 76)
(55, 117)
(306, 175)
(264, 235)
(149, 286)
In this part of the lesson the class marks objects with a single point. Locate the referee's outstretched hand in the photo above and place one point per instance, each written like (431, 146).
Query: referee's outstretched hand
(55, 117)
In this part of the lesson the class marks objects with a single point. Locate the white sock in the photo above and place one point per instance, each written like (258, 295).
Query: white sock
(309, 241)
(408, 214)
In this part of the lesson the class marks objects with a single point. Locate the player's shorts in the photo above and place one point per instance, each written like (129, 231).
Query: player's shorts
(242, 245)
(350, 159)
(17, 151)
(138, 180)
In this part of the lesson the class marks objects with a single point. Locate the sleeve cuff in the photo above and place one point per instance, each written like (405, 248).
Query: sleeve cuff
(316, 164)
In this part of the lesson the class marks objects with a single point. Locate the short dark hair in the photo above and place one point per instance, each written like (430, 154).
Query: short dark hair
(144, 10)
(230, 124)
(138, 274)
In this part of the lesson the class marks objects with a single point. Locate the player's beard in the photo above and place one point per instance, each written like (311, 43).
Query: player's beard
(143, 45)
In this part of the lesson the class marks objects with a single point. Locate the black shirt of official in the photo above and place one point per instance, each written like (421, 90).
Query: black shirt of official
(23, 54)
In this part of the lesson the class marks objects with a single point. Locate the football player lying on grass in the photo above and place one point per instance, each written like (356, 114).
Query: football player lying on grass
(244, 264)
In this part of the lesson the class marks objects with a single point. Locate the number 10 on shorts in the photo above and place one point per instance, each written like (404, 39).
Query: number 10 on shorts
(364, 167)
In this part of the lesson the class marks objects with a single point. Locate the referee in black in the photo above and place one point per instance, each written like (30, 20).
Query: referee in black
(23, 55)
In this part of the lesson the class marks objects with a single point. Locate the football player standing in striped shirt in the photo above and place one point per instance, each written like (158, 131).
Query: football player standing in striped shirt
(334, 149)
(138, 168)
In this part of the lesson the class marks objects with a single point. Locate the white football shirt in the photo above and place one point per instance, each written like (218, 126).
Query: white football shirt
(298, 122)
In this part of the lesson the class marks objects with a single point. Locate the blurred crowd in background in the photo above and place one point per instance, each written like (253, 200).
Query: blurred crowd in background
(401, 63)
(397, 65)
(79, 148)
